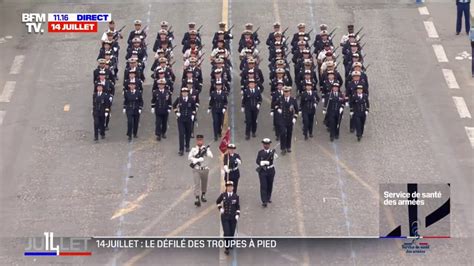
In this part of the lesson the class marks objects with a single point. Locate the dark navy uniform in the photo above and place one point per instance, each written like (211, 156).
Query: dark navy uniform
(334, 105)
(251, 101)
(229, 206)
(266, 174)
(277, 97)
(289, 108)
(218, 106)
(309, 102)
(161, 106)
(132, 105)
(231, 168)
(359, 107)
(185, 109)
(100, 107)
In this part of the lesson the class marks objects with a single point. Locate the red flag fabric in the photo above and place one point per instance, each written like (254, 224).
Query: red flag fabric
(225, 141)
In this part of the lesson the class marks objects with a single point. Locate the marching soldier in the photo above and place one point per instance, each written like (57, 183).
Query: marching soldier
(300, 35)
(222, 34)
(100, 110)
(308, 104)
(289, 114)
(334, 106)
(277, 96)
(185, 110)
(197, 157)
(232, 161)
(115, 33)
(161, 106)
(137, 33)
(251, 101)
(266, 171)
(132, 106)
(218, 107)
(229, 207)
(359, 109)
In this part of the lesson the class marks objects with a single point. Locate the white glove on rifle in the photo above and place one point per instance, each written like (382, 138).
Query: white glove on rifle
(294, 121)
(271, 113)
(178, 114)
(106, 114)
(223, 110)
(279, 111)
(340, 110)
(351, 113)
(238, 161)
(258, 106)
(226, 169)
(366, 112)
(236, 217)
(124, 110)
(192, 118)
(315, 105)
(242, 109)
(221, 210)
(152, 110)
(208, 111)
(324, 112)
(139, 111)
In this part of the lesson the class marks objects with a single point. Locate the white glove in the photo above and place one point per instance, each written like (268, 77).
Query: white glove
(226, 169)
(192, 118)
(221, 210)
(324, 112)
(238, 161)
(169, 110)
(115, 49)
(315, 105)
(340, 110)
(178, 114)
(323, 100)
(294, 121)
(347, 104)
(279, 111)
(208, 111)
(110, 99)
(200, 159)
(152, 110)
(351, 113)
(258, 106)
(263, 163)
(124, 110)
(106, 114)
(242, 109)
(271, 113)
(299, 113)
(236, 217)
(306, 38)
(223, 110)
(139, 111)
(366, 112)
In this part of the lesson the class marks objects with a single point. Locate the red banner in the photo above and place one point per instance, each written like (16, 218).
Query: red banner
(225, 141)
(72, 26)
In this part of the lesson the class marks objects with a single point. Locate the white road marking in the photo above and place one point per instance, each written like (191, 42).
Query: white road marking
(17, 64)
(2, 115)
(2, 40)
(423, 10)
(9, 37)
(462, 107)
(450, 79)
(7, 91)
(430, 29)
(470, 135)
(439, 52)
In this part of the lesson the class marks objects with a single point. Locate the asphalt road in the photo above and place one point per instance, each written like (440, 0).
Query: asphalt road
(55, 178)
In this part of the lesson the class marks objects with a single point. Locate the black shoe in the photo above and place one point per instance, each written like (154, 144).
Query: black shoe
(158, 138)
(129, 138)
(311, 135)
(106, 128)
(226, 251)
(197, 202)
(96, 139)
(332, 139)
(457, 33)
(203, 198)
(164, 136)
(358, 138)
(288, 150)
(264, 204)
(254, 135)
(283, 152)
(102, 136)
(269, 201)
(305, 137)
(247, 137)
(135, 136)
(352, 130)
(180, 153)
(187, 149)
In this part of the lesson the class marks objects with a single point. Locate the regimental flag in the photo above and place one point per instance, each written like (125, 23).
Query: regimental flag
(225, 141)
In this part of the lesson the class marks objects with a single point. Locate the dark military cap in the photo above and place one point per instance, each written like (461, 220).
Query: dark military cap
(199, 136)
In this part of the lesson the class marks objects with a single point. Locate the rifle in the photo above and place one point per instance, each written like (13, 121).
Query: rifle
(231, 27)
(171, 65)
(255, 32)
(310, 31)
(283, 33)
(359, 31)
(169, 30)
(361, 37)
(117, 33)
(365, 70)
(145, 29)
(201, 154)
(200, 27)
(332, 32)
(270, 156)
(362, 46)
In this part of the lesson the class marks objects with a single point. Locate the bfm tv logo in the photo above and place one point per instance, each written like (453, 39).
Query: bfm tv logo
(63, 246)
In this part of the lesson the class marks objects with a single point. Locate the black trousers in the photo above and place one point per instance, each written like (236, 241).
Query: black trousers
(217, 122)
(99, 126)
(266, 184)
(359, 122)
(234, 177)
(276, 126)
(250, 121)
(332, 123)
(286, 134)
(161, 123)
(228, 226)
(184, 129)
(308, 122)
(133, 119)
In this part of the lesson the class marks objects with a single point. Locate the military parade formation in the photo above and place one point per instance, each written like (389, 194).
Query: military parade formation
(315, 83)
